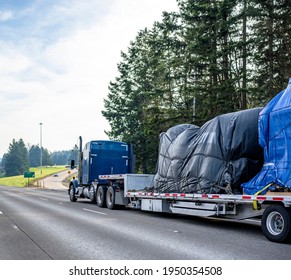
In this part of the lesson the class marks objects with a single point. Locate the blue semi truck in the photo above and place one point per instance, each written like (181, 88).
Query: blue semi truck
(97, 158)
(105, 176)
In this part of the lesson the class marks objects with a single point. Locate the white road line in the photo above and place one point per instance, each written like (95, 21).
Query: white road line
(94, 211)
(1, 213)
(43, 199)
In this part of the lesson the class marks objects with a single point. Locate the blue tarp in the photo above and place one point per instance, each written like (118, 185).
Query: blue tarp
(275, 138)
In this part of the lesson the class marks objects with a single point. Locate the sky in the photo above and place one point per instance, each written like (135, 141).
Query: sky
(56, 61)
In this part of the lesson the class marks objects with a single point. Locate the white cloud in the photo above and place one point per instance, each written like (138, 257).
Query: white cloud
(13, 63)
(6, 15)
(62, 83)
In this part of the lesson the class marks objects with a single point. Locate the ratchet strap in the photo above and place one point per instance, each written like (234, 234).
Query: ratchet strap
(255, 202)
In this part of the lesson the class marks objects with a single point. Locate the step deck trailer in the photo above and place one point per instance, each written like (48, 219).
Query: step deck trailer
(274, 209)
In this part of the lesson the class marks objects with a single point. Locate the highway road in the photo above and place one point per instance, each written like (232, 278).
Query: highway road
(39, 224)
(55, 182)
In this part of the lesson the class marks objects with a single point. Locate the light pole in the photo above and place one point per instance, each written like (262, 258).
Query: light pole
(40, 148)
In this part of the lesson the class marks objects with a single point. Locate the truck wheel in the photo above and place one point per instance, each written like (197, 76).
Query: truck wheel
(73, 197)
(92, 196)
(276, 223)
(110, 198)
(101, 196)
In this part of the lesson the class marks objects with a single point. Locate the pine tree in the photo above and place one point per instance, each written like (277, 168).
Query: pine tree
(149, 95)
(222, 55)
(60, 157)
(34, 156)
(74, 154)
(128, 97)
(211, 33)
(16, 158)
(46, 158)
(272, 38)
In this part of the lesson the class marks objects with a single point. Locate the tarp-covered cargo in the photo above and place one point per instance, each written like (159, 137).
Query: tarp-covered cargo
(275, 137)
(214, 158)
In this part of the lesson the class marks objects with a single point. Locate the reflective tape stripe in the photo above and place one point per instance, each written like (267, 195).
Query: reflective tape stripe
(210, 196)
(278, 198)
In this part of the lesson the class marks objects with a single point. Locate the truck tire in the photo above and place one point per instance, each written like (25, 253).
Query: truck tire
(92, 193)
(276, 223)
(110, 198)
(101, 196)
(72, 194)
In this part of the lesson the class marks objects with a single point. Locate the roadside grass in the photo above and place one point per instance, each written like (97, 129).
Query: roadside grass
(20, 181)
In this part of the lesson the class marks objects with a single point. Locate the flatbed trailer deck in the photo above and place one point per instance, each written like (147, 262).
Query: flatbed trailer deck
(273, 208)
(221, 146)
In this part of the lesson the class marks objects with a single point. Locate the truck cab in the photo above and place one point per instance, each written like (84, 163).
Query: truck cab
(100, 157)
(105, 157)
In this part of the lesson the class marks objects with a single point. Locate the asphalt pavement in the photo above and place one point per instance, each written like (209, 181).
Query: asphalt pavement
(55, 181)
(40, 223)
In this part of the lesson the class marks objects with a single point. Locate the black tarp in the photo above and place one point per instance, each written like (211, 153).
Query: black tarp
(214, 158)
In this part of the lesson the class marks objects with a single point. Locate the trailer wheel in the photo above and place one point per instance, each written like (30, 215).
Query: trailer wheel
(276, 223)
(92, 196)
(101, 196)
(73, 197)
(110, 198)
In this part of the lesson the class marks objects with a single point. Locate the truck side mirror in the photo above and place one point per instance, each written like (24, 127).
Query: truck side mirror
(72, 164)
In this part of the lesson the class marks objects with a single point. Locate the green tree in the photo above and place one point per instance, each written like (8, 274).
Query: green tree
(16, 162)
(210, 58)
(212, 34)
(74, 154)
(46, 158)
(128, 97)
(34, 156)
(272, 38)
(147, 97)
(60, 157)
(2, 164)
